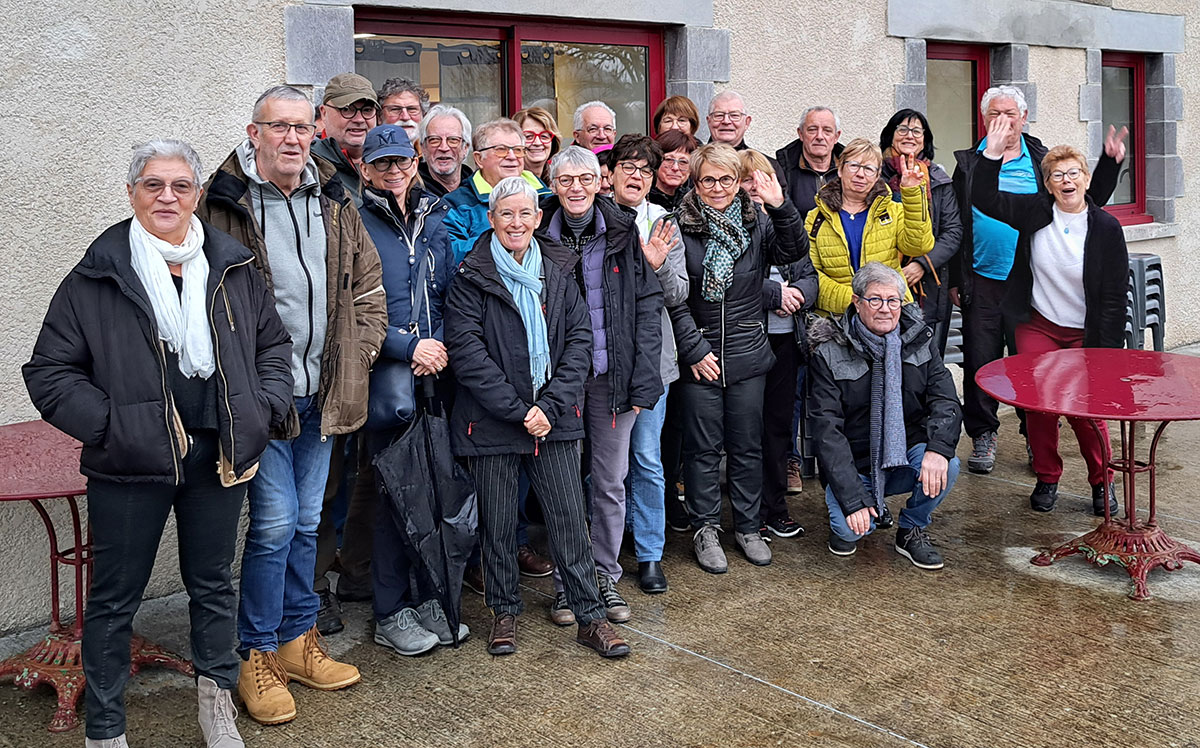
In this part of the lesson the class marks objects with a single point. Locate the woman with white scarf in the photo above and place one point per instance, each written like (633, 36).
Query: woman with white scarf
(162, 352)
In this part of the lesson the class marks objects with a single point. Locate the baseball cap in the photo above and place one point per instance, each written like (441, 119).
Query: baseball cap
(387, 140)
(344, 89)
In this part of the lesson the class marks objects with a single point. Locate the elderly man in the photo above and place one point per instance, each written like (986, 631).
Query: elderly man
(445, 137)
(499, 148)
(979, 277)
(310, 246)
(403, 103)
(728, 122)
(885, 416)
(809, 161)
(595, 125)
(349, 110)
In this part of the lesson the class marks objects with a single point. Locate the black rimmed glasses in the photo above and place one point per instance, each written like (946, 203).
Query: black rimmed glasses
(877, 302)
(303, 129)
(630, 168)
(368, 111)
(388, 163)
(708, 183)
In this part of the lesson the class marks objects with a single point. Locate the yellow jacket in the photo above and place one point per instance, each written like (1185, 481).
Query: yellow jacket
(893, 228)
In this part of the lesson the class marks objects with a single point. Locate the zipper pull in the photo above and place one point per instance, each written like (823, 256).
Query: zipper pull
(470, 427)
(535, 446)
(614, 419)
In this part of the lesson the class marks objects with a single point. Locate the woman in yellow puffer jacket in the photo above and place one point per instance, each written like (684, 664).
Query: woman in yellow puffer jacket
(856, 221)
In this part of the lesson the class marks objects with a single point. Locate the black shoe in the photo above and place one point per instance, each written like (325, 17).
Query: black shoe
(914, 544)
(764, 532)
(651, 578)
(1043, 497)
(784, 527)
(885, 520)
(677, 516)
(329, 615)
(840, 547)
(1098, 500)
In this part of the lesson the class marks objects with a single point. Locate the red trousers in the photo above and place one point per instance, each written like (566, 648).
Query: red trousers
(1040, 335)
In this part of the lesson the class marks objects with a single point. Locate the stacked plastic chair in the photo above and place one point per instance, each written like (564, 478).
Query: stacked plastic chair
(1147, 301)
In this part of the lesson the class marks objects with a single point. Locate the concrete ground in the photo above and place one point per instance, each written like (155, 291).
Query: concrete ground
(814, 650)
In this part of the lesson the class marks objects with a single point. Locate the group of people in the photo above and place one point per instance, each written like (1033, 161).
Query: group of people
(602, 320)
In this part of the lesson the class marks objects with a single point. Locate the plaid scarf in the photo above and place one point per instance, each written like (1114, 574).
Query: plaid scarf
(727, 240)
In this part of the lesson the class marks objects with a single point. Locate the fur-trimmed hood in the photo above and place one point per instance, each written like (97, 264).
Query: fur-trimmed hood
(690, 214)
(831, 194)
(823, 330)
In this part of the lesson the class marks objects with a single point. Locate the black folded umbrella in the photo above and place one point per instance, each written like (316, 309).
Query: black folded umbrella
(431, 498)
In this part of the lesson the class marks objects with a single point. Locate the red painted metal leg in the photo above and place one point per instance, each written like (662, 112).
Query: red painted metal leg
(143, 652)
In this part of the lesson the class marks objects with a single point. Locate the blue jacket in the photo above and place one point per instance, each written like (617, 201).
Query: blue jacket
(468, 211)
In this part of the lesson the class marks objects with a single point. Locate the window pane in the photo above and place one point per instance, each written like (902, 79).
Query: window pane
(1117, 91)
(952, 102)
(464, 73)
(560, 76)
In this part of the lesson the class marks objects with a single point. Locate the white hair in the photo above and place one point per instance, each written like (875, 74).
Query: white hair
(1003, 92)
(282, 93)
(876, 272)
(442, 110)
(729, 94)
(510, 186)
(578, 118)
(837, 121)
(576, 156)
(163, 148)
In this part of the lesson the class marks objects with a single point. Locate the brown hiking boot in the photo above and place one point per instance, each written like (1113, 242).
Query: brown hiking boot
(306, 661)
(262, 684)
(602, 637)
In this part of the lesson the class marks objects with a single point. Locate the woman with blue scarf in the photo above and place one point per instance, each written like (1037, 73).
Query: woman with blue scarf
(520, 345)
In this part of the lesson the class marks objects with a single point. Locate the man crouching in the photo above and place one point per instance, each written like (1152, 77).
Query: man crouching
(885, 417)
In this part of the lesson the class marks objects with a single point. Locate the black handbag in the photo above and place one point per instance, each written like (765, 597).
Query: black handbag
(391, 389)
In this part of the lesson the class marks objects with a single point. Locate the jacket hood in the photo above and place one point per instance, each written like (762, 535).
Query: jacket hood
(792, 156)
(230, 181)
(245, 154)
(831, 194)
(691, 219)
(837, 329)
(108, 254)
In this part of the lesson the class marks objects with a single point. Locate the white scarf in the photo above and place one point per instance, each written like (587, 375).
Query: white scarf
(182, 323)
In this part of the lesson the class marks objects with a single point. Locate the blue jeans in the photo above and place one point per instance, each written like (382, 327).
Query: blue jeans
(645, 506)
(278, 603)
(918, 510)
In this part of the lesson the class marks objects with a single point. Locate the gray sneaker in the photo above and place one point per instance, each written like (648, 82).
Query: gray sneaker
(756, 549)
(983, 453)
(404, 633)
(117, 742)
(708, 550)
(433, 619)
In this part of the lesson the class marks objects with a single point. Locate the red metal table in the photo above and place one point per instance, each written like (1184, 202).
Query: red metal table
(39, 463)
(1105, 384)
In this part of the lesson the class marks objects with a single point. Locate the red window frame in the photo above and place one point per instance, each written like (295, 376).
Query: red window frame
(979, 54)
(512, 30)
(1134, 213)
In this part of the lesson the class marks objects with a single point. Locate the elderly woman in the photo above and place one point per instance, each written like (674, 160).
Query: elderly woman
(542, 140)
(163, 353)
(856, 221)
(1067, 289)
(724, 352)
(676, 113)
(407, 225)
(671, 180)
(520, 345)
(788, 292)
(908, 135)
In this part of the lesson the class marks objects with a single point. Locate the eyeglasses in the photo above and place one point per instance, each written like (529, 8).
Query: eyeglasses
(508, 216)
(566, 180)
(855, 167)
(630, 168)
(368, 111)
(734, 117)
(678, 163)
(505, 150)
(545, 136)
(597, 129)
(708, 183)
(876, 302)
(916, 132)
(1073, 174)
(154, 187)
(413, 112)
(303, 129)
(435, 141)
(387, 164)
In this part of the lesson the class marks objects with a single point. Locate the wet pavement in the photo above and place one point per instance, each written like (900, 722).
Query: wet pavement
(814, 650)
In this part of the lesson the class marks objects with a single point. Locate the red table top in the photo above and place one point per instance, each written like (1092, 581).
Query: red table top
(37, 461)
(1104, 383)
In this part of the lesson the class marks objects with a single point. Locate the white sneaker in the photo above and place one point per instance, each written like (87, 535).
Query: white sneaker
(117, 742)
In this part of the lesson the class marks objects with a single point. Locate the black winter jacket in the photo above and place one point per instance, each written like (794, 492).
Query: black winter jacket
(802, 182)
(633, 302)
(1105, 257)
(98, 370)
(735, 330)
(962, 274)
(485, 339)
(840, 403)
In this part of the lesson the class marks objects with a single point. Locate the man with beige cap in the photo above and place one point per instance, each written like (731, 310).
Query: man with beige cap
(349, 109)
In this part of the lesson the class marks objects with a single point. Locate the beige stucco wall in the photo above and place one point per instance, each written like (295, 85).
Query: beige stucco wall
(83, 82)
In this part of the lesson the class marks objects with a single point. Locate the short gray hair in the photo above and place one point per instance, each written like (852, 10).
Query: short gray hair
(483, 134)
(163, 148)
(576, 156)
(282, 93)
(577, 120)
(877, 272)
(509, 187)
(729, 94)
(1003, 92)
(396, 86)
(444, 110)
(837, 121)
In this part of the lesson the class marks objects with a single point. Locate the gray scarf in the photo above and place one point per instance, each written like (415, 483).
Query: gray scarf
(889, 442)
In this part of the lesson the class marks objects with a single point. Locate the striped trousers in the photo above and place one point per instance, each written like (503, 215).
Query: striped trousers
(554, 475)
